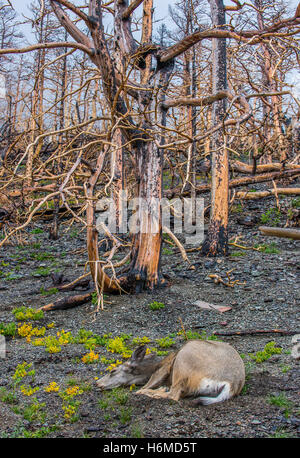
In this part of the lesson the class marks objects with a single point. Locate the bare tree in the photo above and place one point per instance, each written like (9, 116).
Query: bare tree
(135, 126)
(216, 242)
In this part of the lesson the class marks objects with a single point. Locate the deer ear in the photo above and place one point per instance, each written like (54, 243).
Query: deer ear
(139, 353)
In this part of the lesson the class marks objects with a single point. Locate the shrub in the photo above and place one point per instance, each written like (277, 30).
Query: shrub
(266, 353)
(27, 313)
(156, 305)
(271, 217)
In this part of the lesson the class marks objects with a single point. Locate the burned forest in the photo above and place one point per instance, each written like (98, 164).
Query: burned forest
(149, 207)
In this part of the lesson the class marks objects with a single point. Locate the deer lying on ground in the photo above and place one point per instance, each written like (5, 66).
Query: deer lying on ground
(212, 371)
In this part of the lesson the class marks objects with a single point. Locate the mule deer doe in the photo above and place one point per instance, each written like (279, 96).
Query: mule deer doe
(212, 371)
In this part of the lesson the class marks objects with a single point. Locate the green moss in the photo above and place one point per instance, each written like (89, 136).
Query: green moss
(165, 342)
(268, 249)
(27, 313)
(271, 217)
(49, 291)
(156, 305)
(237, 253)
(282, 402)
(194, 335)
(266, 353)
(37, 231)
(296, 202)
(8, 329)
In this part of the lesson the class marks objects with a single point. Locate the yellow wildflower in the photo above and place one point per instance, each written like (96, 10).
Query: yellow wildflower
(64, 337)
(52, 387)
(21, 371)
(28, 391)
(53, 349)
(38, 342)
(26, 330)
(69, 410)
(73, 391)
(113, 365)
(90, 357)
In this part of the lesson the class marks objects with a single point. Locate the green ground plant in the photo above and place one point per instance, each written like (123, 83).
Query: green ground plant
(165, 342)
(194, 335)
(282, 402)
(271, 217)
(156, 305)
(296, 202)
(27, 313)
(8, 329)
(266, 353)
(48, 292)
(42, 271)
(271, 248)
(237, 254)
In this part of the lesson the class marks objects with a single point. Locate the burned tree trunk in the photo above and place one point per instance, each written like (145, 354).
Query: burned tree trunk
(216, 242)
(138, 119)
(147, 241)
(144, 269)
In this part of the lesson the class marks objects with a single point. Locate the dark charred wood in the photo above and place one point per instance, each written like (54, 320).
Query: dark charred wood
(68, 302)
(216, 242)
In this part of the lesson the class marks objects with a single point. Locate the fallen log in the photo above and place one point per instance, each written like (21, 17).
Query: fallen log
(241, 167)
(81, 282)
(254, 332)
(67, 302)
(280, 232)
(236, 182)
(261, 194)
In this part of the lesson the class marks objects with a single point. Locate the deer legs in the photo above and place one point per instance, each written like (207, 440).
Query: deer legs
(153, 387)
(156, 381)
(175, 393)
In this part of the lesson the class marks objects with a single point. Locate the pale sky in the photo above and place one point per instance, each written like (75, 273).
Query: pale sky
(161, 12)
(161, 9)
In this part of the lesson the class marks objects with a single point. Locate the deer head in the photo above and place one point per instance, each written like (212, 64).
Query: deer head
(137, 370)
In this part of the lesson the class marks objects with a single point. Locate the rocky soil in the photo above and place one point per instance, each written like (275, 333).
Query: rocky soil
(266, 297)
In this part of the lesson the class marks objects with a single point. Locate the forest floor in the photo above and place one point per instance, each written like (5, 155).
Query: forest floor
(265, 298)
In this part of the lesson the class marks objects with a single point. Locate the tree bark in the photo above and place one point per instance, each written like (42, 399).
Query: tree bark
(67, 302)
(216, 242)
(144, 271)
(147, 37)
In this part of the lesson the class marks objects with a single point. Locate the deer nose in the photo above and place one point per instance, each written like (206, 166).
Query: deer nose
(100, 385)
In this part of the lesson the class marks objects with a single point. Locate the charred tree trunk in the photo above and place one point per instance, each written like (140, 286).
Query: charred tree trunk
(216, 242)
(271, 111)
(53, 230)
(117, 173)
(144, 272)
(147, 37)
(146, 251)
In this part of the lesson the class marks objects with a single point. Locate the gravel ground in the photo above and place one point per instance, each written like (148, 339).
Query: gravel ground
(265, 298)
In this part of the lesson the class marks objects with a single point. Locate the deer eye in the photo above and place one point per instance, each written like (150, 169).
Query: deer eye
(135, 371)
(127, 369)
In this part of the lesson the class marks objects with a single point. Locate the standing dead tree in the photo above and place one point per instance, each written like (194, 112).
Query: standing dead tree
(217, 237)
(135, 92)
